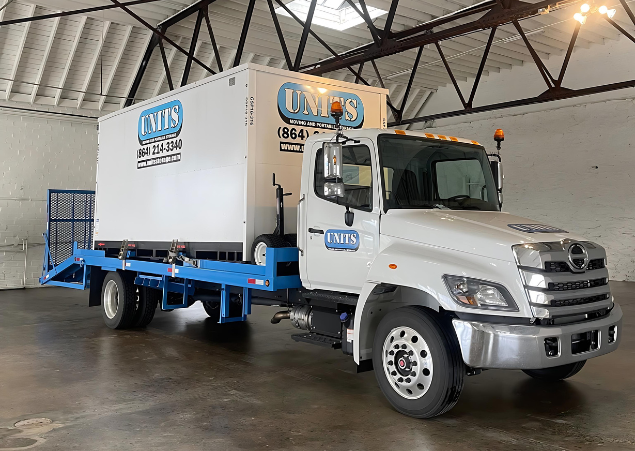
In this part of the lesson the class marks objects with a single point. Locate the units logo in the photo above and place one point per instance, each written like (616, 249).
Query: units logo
(160, 122)
(307, 106)
(341, 240)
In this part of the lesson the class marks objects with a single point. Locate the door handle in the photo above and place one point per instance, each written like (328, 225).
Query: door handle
(312, 230)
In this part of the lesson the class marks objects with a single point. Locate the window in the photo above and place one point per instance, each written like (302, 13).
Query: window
(425, 173)
(357, 175)
(456, 178)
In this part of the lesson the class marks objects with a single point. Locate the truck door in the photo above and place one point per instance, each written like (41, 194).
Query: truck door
(338, 257)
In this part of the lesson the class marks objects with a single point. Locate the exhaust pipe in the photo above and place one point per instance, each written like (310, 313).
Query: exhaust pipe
(301, 316)
(280, 316)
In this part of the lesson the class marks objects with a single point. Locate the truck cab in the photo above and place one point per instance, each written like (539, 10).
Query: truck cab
(446, 284)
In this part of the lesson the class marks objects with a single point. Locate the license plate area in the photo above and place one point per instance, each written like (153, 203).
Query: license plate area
(585, 342)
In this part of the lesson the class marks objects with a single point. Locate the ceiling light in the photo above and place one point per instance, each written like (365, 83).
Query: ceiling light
(603, 9)
(585, 8)
(610, 13)
(580, 18)
(335, 14)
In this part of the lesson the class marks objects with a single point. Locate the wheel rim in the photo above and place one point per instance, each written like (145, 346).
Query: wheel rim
(407, 362)
(260, 254)
(111, 299)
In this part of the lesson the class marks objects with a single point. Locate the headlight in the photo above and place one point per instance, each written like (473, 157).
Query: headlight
(479, 293)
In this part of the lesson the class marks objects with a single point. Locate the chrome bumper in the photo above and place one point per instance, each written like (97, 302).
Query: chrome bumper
(486, 345)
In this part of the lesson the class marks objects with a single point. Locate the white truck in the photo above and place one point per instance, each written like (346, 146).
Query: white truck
(394, 249)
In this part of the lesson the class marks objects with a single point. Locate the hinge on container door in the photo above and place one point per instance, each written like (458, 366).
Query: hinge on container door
(123, 250)
(300, 230)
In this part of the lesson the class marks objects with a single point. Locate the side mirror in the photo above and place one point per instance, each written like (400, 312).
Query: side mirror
(334, 187)
(497, 171)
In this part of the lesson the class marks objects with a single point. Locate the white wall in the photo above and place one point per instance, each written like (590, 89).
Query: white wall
(569, 163)
(37, 152)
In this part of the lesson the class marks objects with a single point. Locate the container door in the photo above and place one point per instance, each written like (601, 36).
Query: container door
(337, 256)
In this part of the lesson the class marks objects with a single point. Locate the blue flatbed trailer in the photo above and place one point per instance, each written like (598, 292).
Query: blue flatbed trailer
(70, 261)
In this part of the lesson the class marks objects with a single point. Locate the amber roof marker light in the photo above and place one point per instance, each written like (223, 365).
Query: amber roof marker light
(499, 137)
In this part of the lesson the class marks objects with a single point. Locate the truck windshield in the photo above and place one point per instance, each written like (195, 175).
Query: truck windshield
(426, 173)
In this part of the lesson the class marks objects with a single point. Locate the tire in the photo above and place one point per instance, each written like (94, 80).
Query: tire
(118, 301)
(148, 301)
(291, 239)
(212, 308)
(556, 373)
(260, 245)
(434, 348)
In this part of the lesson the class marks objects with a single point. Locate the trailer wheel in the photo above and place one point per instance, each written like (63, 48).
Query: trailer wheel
(418, 362)
(147, 306)
(211, 308)
(259, 248)
(556, 373)
(291, 239)
(118, 301)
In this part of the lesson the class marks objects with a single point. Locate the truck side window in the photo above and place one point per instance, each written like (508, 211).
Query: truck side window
(357, 175)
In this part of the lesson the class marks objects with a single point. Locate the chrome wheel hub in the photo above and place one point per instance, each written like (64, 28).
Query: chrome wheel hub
(407, 362)
(111, 299)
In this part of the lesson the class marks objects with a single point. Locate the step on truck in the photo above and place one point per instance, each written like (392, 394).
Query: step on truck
(262, 186)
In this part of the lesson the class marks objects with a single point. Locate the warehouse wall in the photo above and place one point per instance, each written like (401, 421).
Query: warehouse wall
(568, 163)
(37, 152)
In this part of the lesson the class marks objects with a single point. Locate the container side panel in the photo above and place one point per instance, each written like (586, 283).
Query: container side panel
(176, 168)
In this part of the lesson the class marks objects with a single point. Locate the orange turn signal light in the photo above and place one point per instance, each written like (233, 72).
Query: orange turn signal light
(400, 132)
(392, 266)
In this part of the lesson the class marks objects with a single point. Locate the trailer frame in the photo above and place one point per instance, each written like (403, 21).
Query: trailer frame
(181, 276)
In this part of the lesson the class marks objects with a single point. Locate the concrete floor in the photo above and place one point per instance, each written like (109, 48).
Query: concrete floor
(186, 383)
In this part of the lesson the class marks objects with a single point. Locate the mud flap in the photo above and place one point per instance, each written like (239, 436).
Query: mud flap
(97, 276)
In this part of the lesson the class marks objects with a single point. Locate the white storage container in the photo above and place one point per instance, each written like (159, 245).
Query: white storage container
(195, 164)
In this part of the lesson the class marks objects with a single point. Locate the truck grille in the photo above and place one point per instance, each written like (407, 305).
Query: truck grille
(577, 285)
(579, 301)
(597, 263)
(559, 285)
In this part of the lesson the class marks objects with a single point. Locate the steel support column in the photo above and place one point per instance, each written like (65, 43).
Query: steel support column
(188, 62)
(305, 35)
(243, 33)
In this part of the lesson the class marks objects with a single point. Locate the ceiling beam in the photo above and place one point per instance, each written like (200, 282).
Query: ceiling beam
(134, 73)
(161, 80)
(205, 72)
(47, 52)
(424, 34)
(115, 66)
(69, 60)
(93, 63)
(70, 13)
(18, 55)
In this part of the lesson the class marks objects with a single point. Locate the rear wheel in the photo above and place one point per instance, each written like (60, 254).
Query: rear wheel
(118, 301)
(147, 306)
(556, 373)
(417, 362)
(259, 248)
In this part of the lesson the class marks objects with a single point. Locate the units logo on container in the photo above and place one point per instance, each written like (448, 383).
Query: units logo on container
(160, 122)
(307, 106)
(341, 240)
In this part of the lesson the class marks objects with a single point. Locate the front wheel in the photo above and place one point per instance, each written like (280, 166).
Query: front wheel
(417, 362)
(556, 373)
